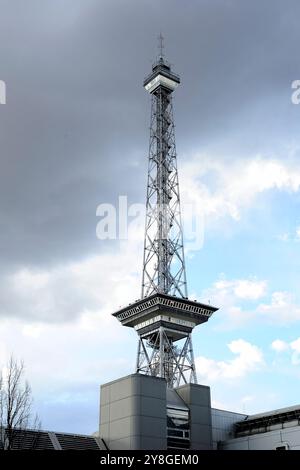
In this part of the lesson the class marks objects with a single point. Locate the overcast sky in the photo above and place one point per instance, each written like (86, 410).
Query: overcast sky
(74, 134)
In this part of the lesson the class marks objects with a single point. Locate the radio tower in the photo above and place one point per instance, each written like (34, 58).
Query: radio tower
(164, 317)
(164, 268)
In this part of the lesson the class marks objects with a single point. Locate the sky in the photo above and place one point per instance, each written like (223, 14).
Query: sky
(74, 134)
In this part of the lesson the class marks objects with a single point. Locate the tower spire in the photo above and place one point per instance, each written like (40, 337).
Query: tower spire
(161, 46)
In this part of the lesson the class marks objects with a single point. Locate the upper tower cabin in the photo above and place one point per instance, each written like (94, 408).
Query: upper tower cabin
(161, 76)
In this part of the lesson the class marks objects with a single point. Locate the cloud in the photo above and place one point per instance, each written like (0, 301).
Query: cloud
(224, 291)
(234, 297)
(250, 289)
(66, 292)
(295, 346)
(235, 184)
(238, 405)
(281, 310)
(66, 363)
(279, 346)
(284, 237)
(249, 358)
(59, 321)
(230, 296)
(290, 237)
(86, 139)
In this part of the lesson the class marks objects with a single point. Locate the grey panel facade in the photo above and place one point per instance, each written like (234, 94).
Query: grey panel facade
(289, 437)
(197, 398)
(222, 425)
(133, 413)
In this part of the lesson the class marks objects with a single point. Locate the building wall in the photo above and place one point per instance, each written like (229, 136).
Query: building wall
(222, 425)
(289, 436)
(133, 413)
(197, 398)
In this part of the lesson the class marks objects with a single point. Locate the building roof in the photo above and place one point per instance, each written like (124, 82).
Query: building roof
(263, 422)
(278, 411)
(45, 440)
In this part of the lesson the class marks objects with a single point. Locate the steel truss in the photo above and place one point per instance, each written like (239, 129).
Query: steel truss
(163, 264)
(159, 357)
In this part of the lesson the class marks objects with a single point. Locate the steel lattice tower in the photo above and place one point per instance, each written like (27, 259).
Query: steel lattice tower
(164, 315)
(163, 267)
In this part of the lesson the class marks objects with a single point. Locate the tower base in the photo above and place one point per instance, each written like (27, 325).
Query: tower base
(139, 412)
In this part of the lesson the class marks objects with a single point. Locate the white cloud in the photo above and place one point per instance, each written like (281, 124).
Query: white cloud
(281, 310)
(230, 296)
(33, 331)
(249, 358)
(235, 183)
(226, 294)
(295, 345)
(64, 293)
(290, 237)
(247, 399)
(284, 237)
(69, 359)
(250, 289)
(239, 405)
(279, 346)
(59, 322)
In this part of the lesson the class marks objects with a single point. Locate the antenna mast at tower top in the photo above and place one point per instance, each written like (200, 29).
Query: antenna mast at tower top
(161, 46)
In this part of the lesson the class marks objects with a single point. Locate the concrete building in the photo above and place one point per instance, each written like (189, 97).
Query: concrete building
(274, 430)
(141, 412)
(223, 426)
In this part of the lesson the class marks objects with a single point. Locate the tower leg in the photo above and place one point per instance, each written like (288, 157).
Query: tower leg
(138, 357)
(161, 352)
(193, 368)
(161, 358)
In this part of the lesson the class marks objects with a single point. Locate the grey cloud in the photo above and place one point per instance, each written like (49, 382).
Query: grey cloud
(75, 130)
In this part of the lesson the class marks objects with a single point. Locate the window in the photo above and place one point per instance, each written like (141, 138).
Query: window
(282, 447)
(178, 429)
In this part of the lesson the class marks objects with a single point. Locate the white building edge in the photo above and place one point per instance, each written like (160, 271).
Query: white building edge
(273, 430)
